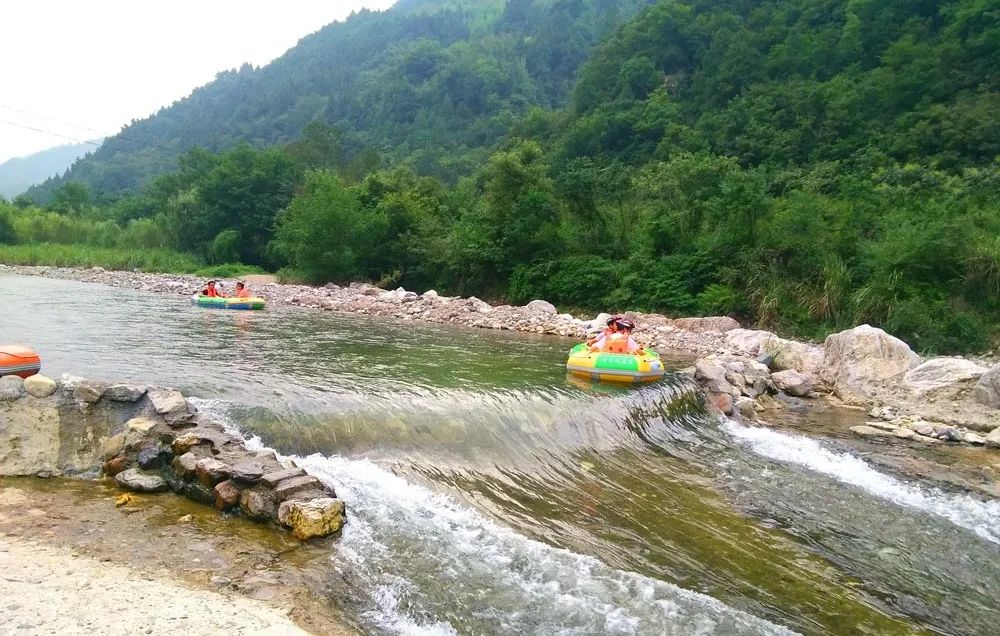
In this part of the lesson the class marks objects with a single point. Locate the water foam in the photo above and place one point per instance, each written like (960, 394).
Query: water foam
(981, 517)
(436, 567)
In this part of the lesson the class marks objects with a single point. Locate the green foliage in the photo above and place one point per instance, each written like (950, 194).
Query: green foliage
(7, 233)
(228, 270)
(89, 256)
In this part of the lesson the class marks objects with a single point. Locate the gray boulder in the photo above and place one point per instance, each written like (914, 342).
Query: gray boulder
(168, 401)
(89, 391)
(721, 324)
(941, 372)
(993, 439)
(542, 307)
(793, 383)
(859, 360)
(987, 390)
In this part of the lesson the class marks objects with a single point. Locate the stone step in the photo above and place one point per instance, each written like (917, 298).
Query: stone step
(273, 479)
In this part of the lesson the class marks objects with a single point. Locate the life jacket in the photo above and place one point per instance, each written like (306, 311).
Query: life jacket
(243, 293)
(210, 292)
(616, 343)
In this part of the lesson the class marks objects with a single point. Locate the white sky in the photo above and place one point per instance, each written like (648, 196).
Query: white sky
(85, 68)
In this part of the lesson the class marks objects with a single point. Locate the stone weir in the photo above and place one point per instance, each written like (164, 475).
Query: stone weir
(151, 439)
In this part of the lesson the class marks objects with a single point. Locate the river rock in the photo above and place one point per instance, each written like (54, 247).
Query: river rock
(749, 341)
(152, 458)
(430, 294)
(247, 472)
(210, 471)
(721, 324)
(722, 401)
(141, 425)
(712, 375)
(227, 494)
(746, 407)
(135, 479)
(168, 401)
(272, 479)
(11, 388)
(542, 307)
(871, 431)
(921, 427)
(89, 391)
(858, 360)
(124, 393)
(183, 443)
(40, 386)
(987, 390)
(291, 487)
(795, 356)
(904, 433)
(259, 503)
(973, 438)
(793, 383)
(115, 465)
(941, 372)
(185, 465)
(993, 438)
(113, 446)
(314, 518)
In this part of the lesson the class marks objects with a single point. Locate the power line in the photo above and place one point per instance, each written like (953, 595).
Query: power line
(49, 132)
(57, 121)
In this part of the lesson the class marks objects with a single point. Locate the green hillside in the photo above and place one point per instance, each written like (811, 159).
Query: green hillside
(430, 84)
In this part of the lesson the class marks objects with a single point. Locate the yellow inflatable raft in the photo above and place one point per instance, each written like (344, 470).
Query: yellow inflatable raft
(615, 367)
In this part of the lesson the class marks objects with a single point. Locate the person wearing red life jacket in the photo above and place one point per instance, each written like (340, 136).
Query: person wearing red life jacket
(211, 291)
(242, 291)
(597, 342)
(621, 341)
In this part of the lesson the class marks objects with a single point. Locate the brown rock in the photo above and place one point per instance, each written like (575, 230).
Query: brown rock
(273, 479)
(247, 472)
(210, 472)
(185, 465)
(89, 391)
(115, 465)
(315, 518)
(227, 494)
(113, 446)
(259, 503)
(722, 401)
(184, 443)
(289, 487)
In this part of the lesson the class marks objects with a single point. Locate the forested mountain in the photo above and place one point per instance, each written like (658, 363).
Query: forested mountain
(430, 83)
(801, 164)
(20, 173)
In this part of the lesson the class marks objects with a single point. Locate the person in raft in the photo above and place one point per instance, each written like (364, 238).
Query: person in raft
(621, 341)
(598, 341)
(242, 291)
(211, 291)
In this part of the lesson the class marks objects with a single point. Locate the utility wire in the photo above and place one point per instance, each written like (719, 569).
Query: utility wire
(49, 132)
(57, 121)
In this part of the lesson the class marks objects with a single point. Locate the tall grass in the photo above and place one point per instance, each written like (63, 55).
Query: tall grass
(112, 258)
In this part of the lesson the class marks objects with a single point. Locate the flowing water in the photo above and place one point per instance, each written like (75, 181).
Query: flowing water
(488, 493)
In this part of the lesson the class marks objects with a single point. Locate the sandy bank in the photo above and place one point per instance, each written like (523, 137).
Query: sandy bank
(112, 599)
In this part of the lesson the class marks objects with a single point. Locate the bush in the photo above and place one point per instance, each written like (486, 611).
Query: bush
(225, 248)
(229, 270)
(579, 281)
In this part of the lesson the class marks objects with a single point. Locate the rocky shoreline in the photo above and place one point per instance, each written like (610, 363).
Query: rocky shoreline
(946, 399)
(151, 439)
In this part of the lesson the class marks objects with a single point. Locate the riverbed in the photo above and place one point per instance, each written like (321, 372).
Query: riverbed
(490, 493)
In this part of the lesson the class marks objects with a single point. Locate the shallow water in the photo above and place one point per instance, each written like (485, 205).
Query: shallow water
(490, 493)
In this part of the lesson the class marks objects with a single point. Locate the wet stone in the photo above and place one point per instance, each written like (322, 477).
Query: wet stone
(184, 465)
(135, 479)
(259, 503)
(247, 472)
(153, 457)
(196, 492)
(227, 494)
(210, 472)
(89, 391)
(273, 479)
(115, 465)
(289, 487)
(124, 393)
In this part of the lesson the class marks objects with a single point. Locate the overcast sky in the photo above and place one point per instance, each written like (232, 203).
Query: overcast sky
(84, 68)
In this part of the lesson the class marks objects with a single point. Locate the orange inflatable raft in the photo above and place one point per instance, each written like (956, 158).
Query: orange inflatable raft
(17, 360)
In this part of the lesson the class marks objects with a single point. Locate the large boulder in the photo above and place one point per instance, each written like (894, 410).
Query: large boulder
(859, 360)
(793, 383)
(749, 341)
(542, 307)
(711, 374)
(795, 356)
(941, 372)
(987, 390)
(168, 401)
(711, 323)
(40, 386)
(314, 518)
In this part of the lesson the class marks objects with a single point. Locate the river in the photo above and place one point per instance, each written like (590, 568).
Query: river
(488, 493)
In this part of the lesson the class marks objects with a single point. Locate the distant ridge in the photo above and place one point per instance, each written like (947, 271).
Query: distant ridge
(20, 173)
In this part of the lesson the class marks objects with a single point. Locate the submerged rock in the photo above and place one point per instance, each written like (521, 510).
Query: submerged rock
(135, 479)
(314, 518)
(40, 386)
